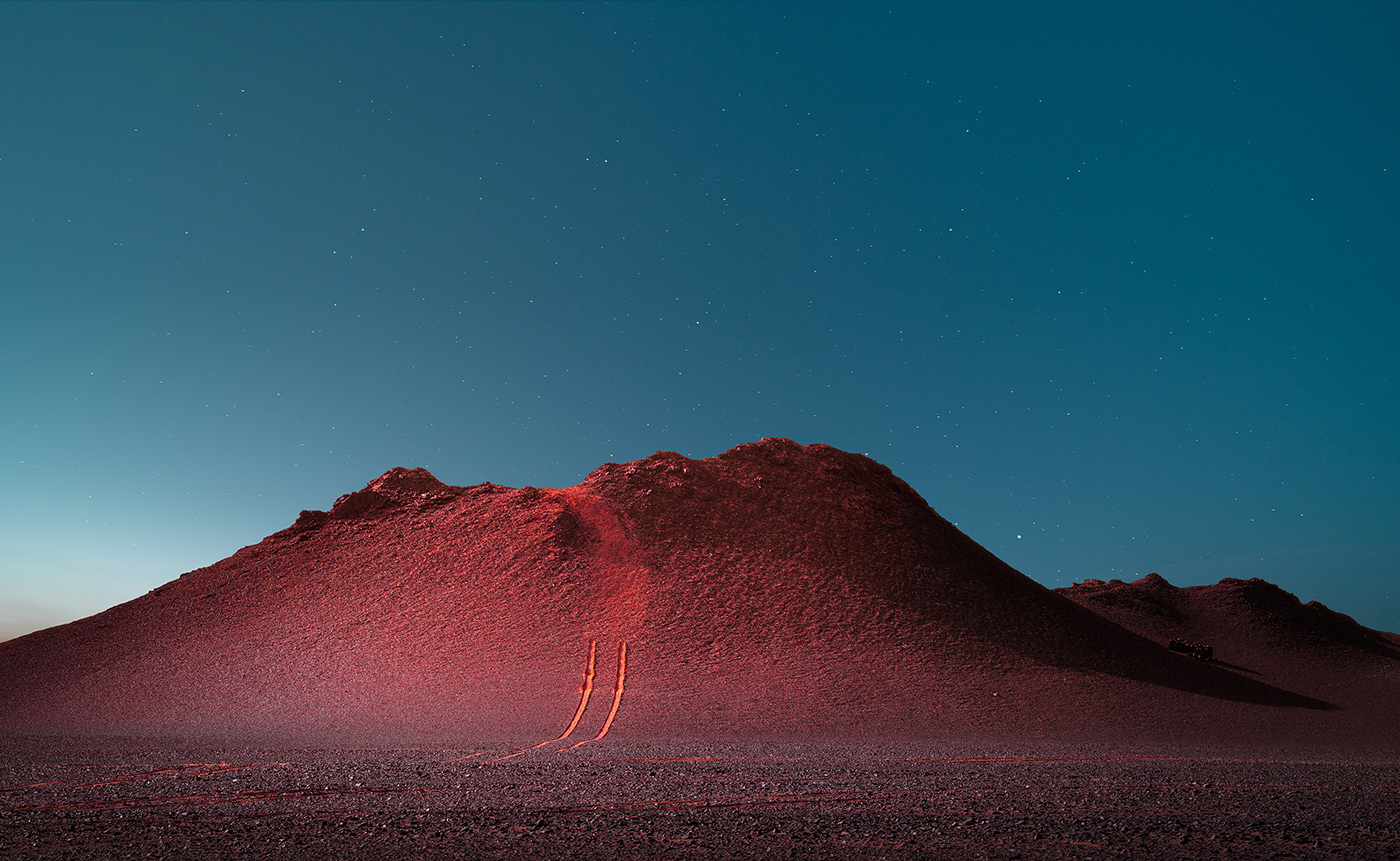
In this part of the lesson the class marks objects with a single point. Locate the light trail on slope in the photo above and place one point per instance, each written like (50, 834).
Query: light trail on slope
(468, 756)
(617, 697)
(584, 693)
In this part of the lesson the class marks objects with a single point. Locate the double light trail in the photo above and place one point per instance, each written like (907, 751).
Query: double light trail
(585, 692)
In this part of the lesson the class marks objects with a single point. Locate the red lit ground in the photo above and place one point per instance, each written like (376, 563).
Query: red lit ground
(73, 800)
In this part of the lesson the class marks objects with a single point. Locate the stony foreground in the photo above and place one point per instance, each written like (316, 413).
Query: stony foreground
(76, 800)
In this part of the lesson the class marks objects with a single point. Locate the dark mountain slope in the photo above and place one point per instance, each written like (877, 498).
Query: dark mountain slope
(1256, 629)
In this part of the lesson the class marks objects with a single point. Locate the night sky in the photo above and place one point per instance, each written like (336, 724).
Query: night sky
(1114, 286)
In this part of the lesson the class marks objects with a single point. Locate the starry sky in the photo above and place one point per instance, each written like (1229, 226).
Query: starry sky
(1112, 285)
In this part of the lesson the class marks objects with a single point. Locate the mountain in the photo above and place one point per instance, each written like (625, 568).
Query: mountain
(774, 591)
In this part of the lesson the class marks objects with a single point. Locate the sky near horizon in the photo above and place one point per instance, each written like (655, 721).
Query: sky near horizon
(1113, 286)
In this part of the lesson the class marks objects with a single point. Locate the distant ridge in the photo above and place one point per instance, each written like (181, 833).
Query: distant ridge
(1259, 630)
(774, 591)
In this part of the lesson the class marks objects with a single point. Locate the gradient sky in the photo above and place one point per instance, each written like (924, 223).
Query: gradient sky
(1112, 285)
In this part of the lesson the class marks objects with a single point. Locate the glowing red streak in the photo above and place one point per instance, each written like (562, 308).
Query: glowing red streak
(617, 696)
(584, 693)
(468, 756)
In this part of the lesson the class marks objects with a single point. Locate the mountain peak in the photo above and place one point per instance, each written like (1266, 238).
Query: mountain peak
(401, 481)
(399, 486)
(1154, 581)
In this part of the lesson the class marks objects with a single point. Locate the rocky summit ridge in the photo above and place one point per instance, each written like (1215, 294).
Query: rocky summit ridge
(773, 591)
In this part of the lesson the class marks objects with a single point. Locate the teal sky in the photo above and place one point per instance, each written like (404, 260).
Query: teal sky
(1112, 285)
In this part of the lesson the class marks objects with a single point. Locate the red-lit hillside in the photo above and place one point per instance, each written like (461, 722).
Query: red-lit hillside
(774, 591)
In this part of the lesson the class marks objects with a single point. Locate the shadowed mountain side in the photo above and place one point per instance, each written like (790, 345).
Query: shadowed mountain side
(776, 590)
(1253, 627)
(769, 532)
(1225, 611)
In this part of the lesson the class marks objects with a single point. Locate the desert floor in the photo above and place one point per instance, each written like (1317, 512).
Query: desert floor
(932, 800)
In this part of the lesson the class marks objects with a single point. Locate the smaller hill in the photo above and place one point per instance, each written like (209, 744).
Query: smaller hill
(1261, 631)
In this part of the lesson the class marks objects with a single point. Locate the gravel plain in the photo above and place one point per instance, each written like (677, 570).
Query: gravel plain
(79, 800)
